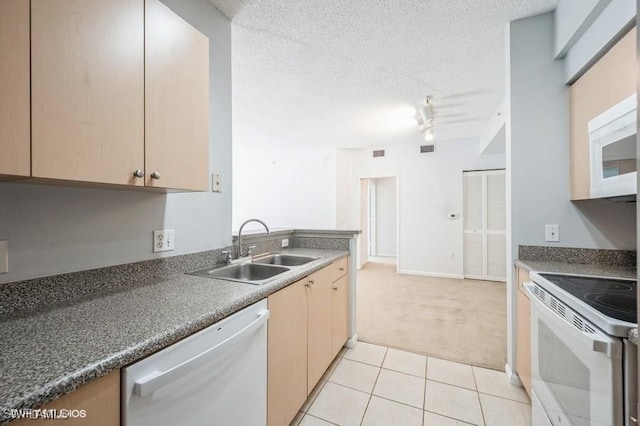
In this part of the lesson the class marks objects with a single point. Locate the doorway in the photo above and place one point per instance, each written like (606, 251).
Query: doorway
(379, 220)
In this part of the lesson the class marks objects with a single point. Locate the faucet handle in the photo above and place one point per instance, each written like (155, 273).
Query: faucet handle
(250, 250)
(227, 256)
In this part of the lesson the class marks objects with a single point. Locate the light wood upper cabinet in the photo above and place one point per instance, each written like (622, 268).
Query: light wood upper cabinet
(176, 101)
(320, 317)
(287, 353)
(87, 65)
(340, 326)
(15, 132)
(606, 83)
(99, 399)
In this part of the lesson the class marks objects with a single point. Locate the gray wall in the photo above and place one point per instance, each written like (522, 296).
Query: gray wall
(54, 230)
(608, 27)
(571, 19)
(537, 149)
(386, 217)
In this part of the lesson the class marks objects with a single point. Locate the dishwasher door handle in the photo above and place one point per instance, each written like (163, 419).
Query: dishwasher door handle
(156, 379)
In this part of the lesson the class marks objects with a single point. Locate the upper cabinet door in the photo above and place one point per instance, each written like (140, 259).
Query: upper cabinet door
(177, 101)
(605, 84)
(87, 61)
(15, 130)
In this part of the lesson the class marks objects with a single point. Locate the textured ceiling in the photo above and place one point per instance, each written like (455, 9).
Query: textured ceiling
(349, 73)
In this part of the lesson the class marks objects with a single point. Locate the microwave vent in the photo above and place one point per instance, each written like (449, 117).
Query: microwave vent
(378, 153)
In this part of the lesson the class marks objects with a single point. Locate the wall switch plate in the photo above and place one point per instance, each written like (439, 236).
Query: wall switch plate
(452, 255)
(4, 256)
(551, 233)
(216, 183)
(164, 240)
(285, 242)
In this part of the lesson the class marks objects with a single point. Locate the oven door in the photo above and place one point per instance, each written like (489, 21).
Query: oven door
(576, 369)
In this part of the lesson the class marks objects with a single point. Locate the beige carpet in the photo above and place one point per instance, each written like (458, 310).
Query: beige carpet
(458, 320)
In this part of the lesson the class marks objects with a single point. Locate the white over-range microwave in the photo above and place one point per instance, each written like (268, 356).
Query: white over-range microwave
(612, 140)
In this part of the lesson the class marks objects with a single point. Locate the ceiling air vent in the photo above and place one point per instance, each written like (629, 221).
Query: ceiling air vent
(427, 148)
(378, 153)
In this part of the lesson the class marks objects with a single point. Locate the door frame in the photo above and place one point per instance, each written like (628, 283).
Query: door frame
(484, 173)
(363, 241)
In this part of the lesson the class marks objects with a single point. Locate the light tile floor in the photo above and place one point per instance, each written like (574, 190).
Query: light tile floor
(374, 385)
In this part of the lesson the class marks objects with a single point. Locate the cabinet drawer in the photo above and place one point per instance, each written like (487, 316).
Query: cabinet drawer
(339, 268)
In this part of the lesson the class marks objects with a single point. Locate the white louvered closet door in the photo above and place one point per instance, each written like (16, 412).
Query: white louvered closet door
(485, 225)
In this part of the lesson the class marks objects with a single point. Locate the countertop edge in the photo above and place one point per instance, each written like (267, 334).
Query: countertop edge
(72, 380)
(625, 272)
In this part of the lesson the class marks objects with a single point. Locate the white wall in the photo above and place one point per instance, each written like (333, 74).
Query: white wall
(386, 217)
(287, 188)
(537, 155)
(54, 230)
(430, 186)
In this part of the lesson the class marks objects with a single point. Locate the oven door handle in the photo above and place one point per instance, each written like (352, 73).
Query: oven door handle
(597, 341)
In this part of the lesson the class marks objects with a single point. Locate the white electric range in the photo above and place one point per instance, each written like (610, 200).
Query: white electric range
(583, 367)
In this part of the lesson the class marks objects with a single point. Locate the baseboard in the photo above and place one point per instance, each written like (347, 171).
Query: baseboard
(351, 343)
(512, 377)
(362, 266)
(431, 274)
(385, 255)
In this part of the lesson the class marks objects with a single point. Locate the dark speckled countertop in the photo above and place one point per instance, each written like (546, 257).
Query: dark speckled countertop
(51, 352)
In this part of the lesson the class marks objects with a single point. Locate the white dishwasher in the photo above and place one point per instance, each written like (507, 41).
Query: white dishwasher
(217, 376)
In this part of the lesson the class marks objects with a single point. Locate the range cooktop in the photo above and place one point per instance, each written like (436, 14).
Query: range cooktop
(608, 302)
(614, 298)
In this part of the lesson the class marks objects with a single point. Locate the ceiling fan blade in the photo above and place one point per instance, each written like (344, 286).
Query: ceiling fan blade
(441, 97)
(460, 120)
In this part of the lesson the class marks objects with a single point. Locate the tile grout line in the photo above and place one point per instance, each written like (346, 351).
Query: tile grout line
(473, 372)
(319, 418)
(374, 386)
(504, 398)
(448, 417)
(424, 397)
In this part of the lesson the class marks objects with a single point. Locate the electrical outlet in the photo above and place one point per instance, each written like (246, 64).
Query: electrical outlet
(552, 233)
(216, 183)
(452, 255)
(164, 240)
(4, 256)
(285, 242)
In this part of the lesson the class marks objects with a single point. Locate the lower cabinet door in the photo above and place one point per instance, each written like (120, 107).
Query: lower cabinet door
(320, 317)
(523, 341)
(340, 328)
(287, 353)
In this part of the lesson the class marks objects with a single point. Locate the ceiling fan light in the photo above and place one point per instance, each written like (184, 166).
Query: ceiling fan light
(428, 136)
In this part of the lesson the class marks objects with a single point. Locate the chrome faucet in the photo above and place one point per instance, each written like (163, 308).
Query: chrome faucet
(240, 233)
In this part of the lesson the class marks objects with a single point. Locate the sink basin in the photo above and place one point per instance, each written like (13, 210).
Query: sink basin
(285, 259)
(250, 273)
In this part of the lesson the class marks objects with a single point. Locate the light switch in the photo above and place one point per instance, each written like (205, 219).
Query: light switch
(552, 233)
(216, 183)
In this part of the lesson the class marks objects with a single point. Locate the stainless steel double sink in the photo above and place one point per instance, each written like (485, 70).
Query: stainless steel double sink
(258, 271)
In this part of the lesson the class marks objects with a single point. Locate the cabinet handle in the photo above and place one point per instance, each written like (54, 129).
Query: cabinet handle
(311, 282)
(155, 175)
(335, 288)
(138, 173)
(341, 269)
(307, 285)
